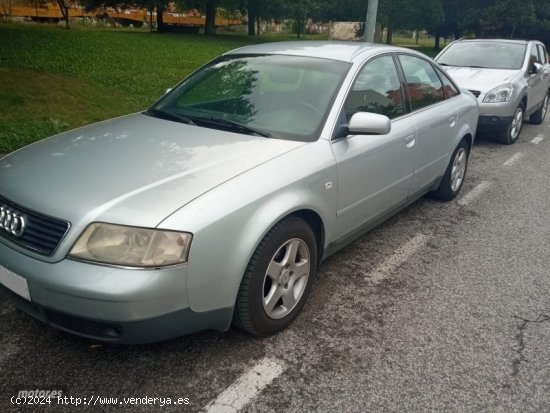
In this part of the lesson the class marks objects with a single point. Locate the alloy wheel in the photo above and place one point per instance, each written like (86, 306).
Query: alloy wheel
(517, 123)
(286, 278)
(458, 169)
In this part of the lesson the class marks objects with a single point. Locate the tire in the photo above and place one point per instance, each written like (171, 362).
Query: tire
(273, 273)
(538, 117)
(511, 133)
(454, 175)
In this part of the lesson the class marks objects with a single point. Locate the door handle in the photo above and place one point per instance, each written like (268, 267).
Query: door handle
(452, 121)
(410, 141)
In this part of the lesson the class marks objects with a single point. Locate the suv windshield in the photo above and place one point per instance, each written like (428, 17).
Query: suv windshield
(285, 97)
(487, 55)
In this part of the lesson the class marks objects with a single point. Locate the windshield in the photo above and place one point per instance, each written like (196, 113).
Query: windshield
(284, 97)
(487, 55)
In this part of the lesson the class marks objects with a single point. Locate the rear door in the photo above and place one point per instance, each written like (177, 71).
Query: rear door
(435, 117)
(374, 171)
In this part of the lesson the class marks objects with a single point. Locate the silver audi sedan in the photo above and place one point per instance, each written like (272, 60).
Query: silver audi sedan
(218, 203)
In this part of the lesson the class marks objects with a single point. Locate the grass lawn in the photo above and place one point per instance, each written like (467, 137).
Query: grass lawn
(52, 79)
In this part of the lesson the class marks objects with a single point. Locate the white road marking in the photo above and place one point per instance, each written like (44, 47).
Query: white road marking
(537, 139)
(513, 159)
(474, 193)
(398, 258)
(246, 387)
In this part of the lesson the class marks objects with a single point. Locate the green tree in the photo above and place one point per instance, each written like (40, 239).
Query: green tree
(64, 6)
(494, 18)
(208, 7)
(300, 12)
(507, 18)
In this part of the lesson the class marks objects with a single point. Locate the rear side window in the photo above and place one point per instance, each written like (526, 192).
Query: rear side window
(423, 83)
(377, 89)
(543, 56)
(448, 86)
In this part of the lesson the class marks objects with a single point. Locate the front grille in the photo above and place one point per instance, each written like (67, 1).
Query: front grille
(42, 233)
(476, 93)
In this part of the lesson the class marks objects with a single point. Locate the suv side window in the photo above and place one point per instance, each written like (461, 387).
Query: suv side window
(376, 89)
(543, 56)
(423, 83)
(534, 58)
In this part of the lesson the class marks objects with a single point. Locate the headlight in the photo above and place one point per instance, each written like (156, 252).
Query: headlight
(131, 246)
(499, 94)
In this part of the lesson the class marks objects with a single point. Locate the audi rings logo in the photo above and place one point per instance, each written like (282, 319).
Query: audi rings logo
(12, 221)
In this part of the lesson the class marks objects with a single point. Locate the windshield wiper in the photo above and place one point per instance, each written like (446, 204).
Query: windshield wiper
(232, 125)
(471, 66)
(163, 114)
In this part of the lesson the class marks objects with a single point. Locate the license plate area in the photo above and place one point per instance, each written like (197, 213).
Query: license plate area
(15, 283)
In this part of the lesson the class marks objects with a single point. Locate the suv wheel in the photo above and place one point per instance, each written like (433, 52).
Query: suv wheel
(511, 134)
(538, 117)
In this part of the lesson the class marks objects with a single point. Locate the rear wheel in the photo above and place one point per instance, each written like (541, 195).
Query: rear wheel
(278, 278)
(538, 117)
(454, 175)
(511, 134)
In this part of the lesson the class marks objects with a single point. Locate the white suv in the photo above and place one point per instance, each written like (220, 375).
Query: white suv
(510, 79)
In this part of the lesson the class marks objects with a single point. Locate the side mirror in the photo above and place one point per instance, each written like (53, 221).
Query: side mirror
(366, 123)
(536, 68)
(167, 91)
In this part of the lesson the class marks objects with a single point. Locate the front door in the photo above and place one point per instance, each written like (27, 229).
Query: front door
(537, 91)
(374, 171)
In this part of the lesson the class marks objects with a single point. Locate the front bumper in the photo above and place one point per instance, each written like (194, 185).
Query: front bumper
(495, 116)
(492, 123)
(106, 303)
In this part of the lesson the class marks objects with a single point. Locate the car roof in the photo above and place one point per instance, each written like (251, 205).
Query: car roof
(335, 50)
(512, 41)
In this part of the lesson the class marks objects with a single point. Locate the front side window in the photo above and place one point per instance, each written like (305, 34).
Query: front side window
(377, 89)
(543, 56)
(534, 56)
(285, 97)
(423, 84)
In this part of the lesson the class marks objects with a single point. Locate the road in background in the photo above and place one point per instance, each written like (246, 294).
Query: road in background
(443, 308)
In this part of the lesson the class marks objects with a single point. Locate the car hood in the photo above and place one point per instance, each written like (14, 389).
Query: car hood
(133, 170)
(481, 79)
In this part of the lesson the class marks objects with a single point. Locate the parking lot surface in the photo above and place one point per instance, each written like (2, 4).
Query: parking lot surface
(445, 307)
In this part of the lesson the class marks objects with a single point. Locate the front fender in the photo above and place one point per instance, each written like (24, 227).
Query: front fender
(230, 221)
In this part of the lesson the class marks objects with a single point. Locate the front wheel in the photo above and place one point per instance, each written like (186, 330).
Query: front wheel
(278, 278)
(511, 133)
(454, 175)
(538, 117)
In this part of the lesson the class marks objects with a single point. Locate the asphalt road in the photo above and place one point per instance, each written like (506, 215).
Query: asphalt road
(443, 308)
